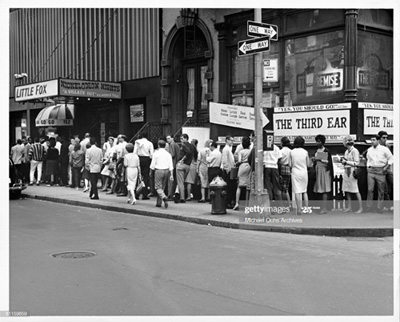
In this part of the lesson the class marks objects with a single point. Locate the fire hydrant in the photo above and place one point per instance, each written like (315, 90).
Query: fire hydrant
(218, 196)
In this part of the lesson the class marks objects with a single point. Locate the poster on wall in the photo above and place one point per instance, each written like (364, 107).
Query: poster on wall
(136, 113)
(201, 134)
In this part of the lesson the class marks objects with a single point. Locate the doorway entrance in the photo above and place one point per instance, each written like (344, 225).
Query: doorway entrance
(189, 72)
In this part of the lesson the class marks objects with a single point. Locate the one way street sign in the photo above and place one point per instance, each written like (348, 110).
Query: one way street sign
(258, 29)
(253, 46)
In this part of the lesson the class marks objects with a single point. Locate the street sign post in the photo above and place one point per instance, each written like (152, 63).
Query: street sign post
(258, 29)
(253, 46)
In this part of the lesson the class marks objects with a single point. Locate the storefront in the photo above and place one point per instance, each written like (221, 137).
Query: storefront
(69, 107)
(108, 60)
(322, 65)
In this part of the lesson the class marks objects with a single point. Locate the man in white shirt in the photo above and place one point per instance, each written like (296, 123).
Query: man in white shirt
(85, 141)
(214, 162)
(227, 163)
(17, 155)
(163, 168)
(379, 159)
(144, 149)
(271, 174)
(389, 173)
(94, 157)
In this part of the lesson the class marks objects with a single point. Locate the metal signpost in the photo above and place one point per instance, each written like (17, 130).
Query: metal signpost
(264, 33)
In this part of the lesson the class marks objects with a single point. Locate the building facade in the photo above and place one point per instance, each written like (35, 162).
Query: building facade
(326, 71)
(85, 49)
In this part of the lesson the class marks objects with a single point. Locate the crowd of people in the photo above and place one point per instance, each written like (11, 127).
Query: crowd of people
(168, 170)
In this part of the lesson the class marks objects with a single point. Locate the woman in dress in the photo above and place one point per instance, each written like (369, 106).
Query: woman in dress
(298, 163)
(132, 165)
(244, 170)
(350, 184)
(202, 169)
(106, 173)
(191, 177)
(112, 173)
(52, 161)
(323, 171)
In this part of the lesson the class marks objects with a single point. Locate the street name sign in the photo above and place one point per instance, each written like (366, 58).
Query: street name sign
(258, 29)
(253, 46)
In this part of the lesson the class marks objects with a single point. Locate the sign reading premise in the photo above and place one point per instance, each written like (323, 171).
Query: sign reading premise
(235, 116)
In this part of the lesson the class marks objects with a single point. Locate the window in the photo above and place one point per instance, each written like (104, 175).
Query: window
(314, 68)
(375, 70)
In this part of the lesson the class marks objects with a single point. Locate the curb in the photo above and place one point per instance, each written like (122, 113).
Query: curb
(330, 232)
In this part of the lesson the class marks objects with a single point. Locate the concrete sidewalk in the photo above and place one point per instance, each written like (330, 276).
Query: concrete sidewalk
(334, 223)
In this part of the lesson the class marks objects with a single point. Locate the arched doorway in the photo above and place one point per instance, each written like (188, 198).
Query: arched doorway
(186, 76)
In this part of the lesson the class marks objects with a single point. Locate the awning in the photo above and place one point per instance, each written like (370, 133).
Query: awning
(56, 115)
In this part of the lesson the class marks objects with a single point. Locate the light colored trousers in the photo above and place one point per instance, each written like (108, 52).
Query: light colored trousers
(182, 171)
(39, 166)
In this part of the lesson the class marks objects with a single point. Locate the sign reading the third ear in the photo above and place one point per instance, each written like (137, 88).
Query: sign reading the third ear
(258, 29)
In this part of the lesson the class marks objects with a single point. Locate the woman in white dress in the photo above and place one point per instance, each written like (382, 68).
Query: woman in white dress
(132, 165)
(299, 162)
(350, 184)
(244, 170)
(202, 169)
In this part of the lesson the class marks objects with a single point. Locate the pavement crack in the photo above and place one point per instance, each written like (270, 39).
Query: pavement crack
(232, 298)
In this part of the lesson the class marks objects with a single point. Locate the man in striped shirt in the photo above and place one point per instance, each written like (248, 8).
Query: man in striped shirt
(36, 156)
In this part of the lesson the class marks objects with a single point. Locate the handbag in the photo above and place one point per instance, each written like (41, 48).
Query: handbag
(111, 166)
(140, 185)
(233, 174)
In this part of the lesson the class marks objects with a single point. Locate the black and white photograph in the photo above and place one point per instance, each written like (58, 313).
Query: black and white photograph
(231, 161)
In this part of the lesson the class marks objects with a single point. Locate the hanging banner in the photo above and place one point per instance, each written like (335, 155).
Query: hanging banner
(234, 116)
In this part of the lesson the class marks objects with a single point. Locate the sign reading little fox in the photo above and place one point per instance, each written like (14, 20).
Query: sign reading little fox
(258, 29)
(253, 46)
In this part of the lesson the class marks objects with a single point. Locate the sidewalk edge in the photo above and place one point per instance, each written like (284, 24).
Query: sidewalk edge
(331, 232)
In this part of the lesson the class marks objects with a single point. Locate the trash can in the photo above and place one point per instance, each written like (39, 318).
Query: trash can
(218, 196)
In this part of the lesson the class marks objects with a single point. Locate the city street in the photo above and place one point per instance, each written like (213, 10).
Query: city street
(154, 266)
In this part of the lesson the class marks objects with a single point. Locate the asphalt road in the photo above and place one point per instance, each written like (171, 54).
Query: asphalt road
(152, 266)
